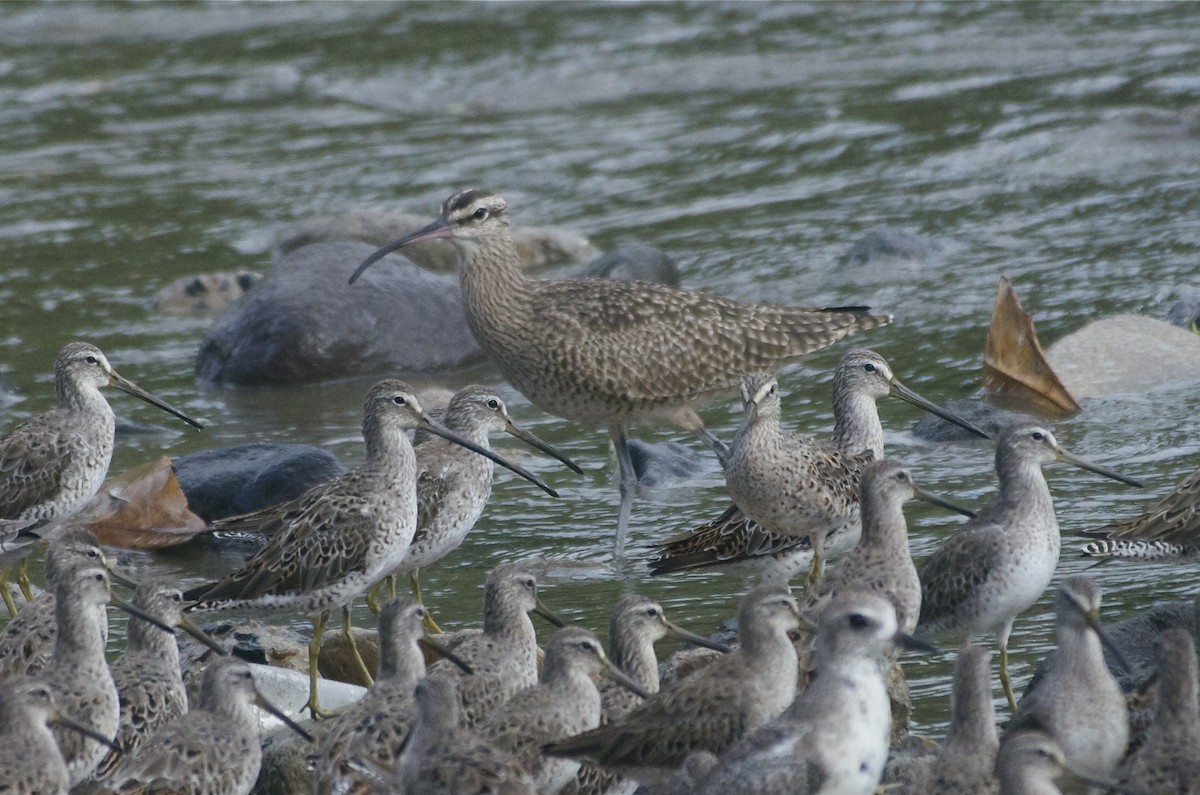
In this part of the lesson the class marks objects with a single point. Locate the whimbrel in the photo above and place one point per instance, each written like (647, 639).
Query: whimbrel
(612, 352)
(51, 466)
(1001, 562)
(1170, 527)
(818, 480)
(339, 538)
(711, 709)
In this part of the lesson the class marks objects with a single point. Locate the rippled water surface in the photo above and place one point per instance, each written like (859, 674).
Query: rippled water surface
(754, 142)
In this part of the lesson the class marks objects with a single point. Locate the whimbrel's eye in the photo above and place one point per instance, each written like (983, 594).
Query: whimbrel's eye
(481, 214)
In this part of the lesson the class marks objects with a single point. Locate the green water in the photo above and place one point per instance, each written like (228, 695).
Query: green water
(754, 142)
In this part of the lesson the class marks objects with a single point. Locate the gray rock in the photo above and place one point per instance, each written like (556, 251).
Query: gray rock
(234, 480)
(891, 244)
(634, 261)
(304, 322)
(1125, 354)
(983, 415)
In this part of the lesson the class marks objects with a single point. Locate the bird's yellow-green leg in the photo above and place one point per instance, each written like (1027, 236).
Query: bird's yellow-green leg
(391, 581)
(7, 594)
(1005, 682)
(314, 654)
(430, 624)
(373, 598)
(818, 562)
(23, 580)
(349, 636)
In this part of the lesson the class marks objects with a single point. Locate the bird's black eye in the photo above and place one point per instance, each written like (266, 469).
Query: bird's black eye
(92, 360)
(1038, 436)
(493, 404)
(774, 388)
(868, 367)
(481, 214)
(399, 400)
(859, 621)
(902, 476)
(650, 611)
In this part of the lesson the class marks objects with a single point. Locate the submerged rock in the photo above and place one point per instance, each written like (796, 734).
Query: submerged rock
(635, 261)
(234, 480)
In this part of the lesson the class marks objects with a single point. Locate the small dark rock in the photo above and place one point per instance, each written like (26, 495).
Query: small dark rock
(891, 243)
(634, 261)
(234, 480)
(983, 415)
(657, 464)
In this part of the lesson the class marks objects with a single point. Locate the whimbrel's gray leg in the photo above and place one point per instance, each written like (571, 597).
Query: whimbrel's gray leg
(628, 485)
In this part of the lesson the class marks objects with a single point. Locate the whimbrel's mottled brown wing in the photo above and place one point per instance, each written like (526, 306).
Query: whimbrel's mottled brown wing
(632, 341)
(1175, 519)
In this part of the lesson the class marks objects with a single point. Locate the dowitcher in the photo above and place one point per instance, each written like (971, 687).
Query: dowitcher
(881, 565)
(51, 466)
(564, 703)
(612, 352)
(1167, 760)
(339, 538)
(1170, 527)
(1077, 701)
(149, 681)
(78, 672)
(214, 749)
(1001, 562)
(767, 533)
(28, 640)
(503, 657)
(636, 624)
(966, 761)
(443, 758)
(30, 762)
(1030, 762)
(834, 736)
(453, 483)
(377, 726)
(711, 709)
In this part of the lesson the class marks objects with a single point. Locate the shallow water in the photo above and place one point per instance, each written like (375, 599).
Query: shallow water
(754, 142)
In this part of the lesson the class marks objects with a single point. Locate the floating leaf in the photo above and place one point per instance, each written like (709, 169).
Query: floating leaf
(1015, 369)
(142, 508)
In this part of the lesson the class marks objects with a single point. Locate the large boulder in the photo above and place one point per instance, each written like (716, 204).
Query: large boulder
(304, 322)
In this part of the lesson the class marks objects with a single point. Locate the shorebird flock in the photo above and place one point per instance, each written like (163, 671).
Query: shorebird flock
(801, 702)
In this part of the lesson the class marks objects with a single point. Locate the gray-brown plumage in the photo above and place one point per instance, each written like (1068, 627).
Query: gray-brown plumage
(443, 758)
(147, 675)
(78, 673)
(1029, 762)
(636, 624)
(611, 352)
(834, 737)
(377, 726)
(212, 750)
(711, 709)
(1169, 527)
(504, 655)
(1001, 561)
(1168, 760)
(735, 540)
(1077, 701)
(965, 762)
(564, 703)
(28, 640)
(30, 762)
(341, 537)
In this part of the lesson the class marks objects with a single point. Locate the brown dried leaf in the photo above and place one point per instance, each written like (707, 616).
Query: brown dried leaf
(142, 508)
(1015, 367)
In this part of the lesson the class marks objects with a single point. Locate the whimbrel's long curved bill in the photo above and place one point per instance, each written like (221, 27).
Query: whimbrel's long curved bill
(908, 396)
(125, 385)
(435, 230)
(536, 443)
(441, 430)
